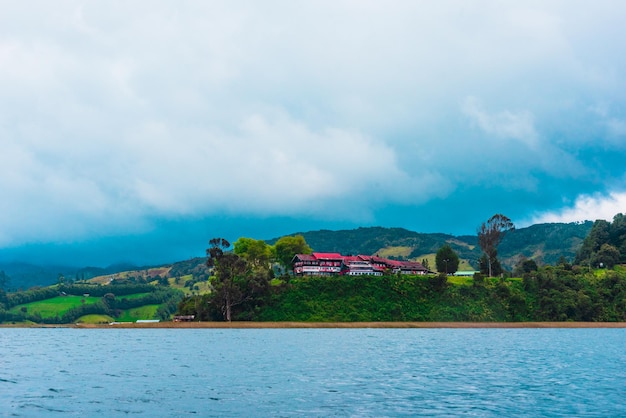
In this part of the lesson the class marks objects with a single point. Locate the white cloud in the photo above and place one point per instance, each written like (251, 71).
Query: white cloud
(587, 208)
(269, 164)
(614, 126)
(115, 113)
(504, 124)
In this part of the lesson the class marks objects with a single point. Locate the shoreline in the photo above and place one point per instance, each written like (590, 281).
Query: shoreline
(328, 325)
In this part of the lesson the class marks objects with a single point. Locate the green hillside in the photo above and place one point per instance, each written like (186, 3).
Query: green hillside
(68, 303)
(546, 243)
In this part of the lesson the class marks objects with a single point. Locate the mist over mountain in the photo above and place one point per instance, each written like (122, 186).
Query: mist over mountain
(545, 243)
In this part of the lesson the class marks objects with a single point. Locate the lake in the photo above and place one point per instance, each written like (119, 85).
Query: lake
(313, 372)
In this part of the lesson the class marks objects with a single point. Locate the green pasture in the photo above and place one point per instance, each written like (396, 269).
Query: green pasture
(56, 306)
(95, 319)
(142, 312)
(461, 280)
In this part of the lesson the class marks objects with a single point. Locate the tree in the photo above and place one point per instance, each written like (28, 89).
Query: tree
(425, 263)
(233, 282)
(607, 256)
(525, 266)
(287, 247)
(446, 260)
(490, 234)
(256, 252)
(484, 265)
(599, 234)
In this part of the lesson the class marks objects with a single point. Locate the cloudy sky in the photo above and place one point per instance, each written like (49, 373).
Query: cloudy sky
(138, 130)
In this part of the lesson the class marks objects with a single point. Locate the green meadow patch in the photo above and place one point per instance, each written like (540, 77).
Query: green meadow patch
(95, 319)
(134, 314)
(57, 306)
(461, 280)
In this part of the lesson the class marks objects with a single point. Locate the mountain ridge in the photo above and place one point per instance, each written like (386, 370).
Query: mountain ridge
(545, 243)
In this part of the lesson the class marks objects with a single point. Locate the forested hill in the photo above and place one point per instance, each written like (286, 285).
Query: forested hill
(545, 243)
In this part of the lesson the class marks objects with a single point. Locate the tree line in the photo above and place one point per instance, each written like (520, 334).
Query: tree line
(245, 287)
(112, 301)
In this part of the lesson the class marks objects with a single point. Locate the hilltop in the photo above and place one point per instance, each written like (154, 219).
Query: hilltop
(545, 243)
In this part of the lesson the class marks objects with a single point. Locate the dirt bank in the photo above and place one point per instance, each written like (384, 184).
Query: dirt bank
(185, 325)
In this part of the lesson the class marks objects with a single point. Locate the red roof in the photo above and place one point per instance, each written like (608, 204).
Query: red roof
(304, 257)
(395, 264)
(328, 256)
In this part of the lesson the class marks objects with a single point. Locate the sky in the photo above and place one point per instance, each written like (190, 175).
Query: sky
(137, 130)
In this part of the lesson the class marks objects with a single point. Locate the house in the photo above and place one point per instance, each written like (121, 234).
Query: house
(332, 264)
(360, 265)
(317, 264)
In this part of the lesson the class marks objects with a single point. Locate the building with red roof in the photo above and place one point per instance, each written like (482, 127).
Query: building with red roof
(332, 264)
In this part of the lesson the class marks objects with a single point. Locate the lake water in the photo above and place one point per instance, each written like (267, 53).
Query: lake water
(313, 372)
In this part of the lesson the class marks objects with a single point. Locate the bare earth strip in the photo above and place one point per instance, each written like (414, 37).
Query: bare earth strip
(186, 325)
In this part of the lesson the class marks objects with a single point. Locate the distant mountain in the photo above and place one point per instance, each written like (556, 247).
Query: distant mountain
(27, 275)
(545, 243)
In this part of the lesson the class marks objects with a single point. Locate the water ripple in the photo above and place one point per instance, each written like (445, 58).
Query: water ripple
(285, 373)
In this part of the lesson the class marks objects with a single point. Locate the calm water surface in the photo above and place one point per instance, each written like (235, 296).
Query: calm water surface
(313, 372)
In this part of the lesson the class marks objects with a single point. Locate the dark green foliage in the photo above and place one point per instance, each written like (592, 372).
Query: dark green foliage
(112, 302)
(237, 288)
(169, 305)
(4, 280)
(606, 243)
(26, 275)
(607, 256)
(525, 266)
(101, 290)
(598, 235)
(370, 240)
(195, 266)
(32, 295)
(447, 260)
(483, 266)
(551, 241)
(545, 294)
(287, 247)
(201, 307)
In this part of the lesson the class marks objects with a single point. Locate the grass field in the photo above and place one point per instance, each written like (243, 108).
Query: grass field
(94, 319)
(50, 308)
(144, 274)
(142, 312)
(394, 252)
(57, 306)
(461, 280)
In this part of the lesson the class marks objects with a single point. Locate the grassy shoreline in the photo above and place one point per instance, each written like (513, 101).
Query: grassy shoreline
(294, 325)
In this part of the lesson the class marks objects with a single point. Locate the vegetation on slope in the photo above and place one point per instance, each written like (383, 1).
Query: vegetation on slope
(67, 303)
(550, 294)
(546, 243)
